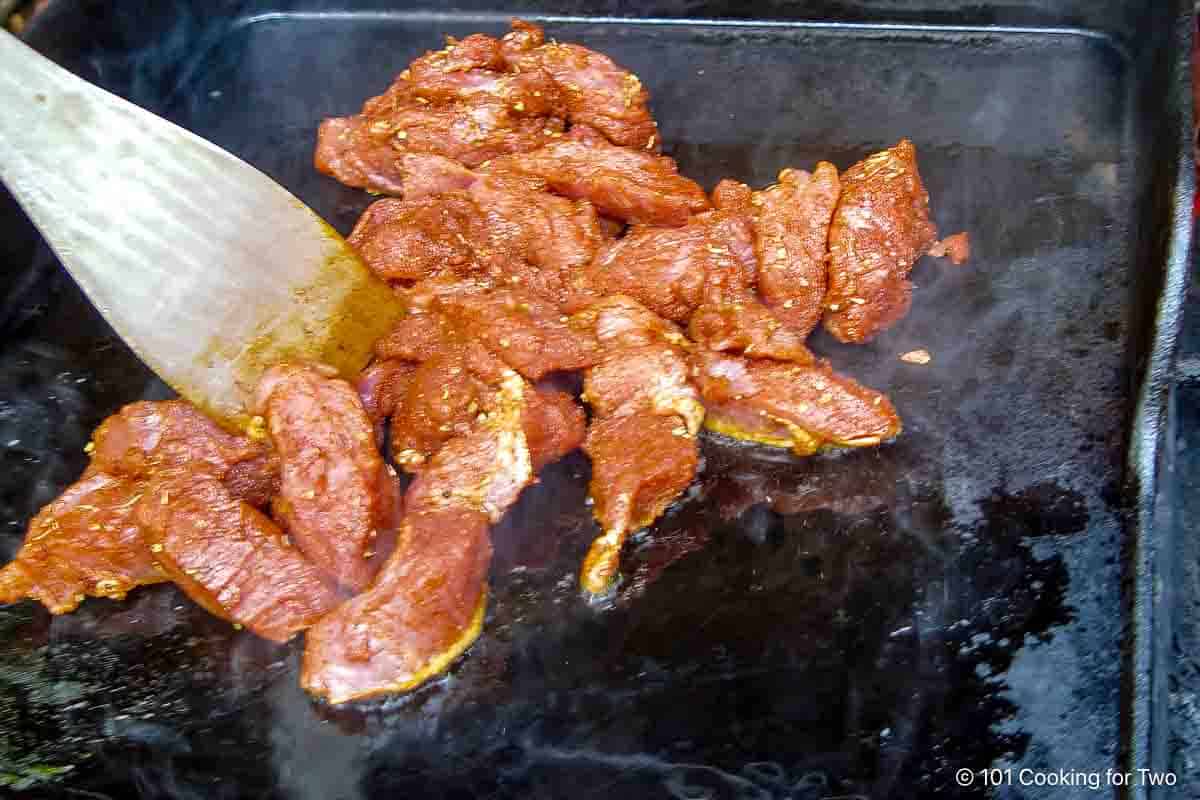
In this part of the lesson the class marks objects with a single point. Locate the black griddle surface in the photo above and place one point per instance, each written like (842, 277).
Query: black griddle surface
(863, 624)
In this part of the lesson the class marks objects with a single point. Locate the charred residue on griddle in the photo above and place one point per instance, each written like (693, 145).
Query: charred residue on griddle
(1043, 509)
(120, 684)
(899, 627)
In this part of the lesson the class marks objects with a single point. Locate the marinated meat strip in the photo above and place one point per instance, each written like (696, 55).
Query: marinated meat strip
(487, 468)
(623, 184)
(733, 319)
(620, 321)
(449, 377)
(551, 421)
(548, 231)
(362, 150)
(471, 132)
(146, 436)
(382, 387)
(667, 269)
(879, 230)
(457, 337)
(554, 425)
(662, 268)
(635, 345)
(642, 438)
(404, 241)
(804, 407)
(427, 604)
(443, 400)
(337, 499)
(523, 37)
(597, 92)
(480, 98)
(527, 332)
(229, 557)
(634, 186)
(641, 463)
(536, 240)
(703, 272)
(650, 378)
(255, 481)
(791, 222)
(346, 150)
(504, 229)
(365, 150)
(86, 542)
(423, 611)
(426, 175)
(956, 247)
(477, 51)
(420, 334)
(474, 68)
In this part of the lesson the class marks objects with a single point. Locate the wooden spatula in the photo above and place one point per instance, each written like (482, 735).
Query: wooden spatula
(209, 269)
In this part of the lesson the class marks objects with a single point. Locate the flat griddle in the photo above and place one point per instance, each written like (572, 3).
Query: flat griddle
(979, 593)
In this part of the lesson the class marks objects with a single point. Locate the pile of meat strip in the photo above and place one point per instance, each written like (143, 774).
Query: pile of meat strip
(533, 230)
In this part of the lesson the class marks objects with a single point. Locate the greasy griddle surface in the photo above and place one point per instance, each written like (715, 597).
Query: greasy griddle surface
(794, 628)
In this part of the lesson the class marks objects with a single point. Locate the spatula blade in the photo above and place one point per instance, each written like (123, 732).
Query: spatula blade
(209, 269)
